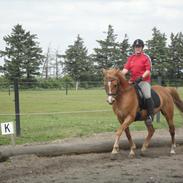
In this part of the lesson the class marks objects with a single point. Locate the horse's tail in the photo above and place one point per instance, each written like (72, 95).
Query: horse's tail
(176, 98)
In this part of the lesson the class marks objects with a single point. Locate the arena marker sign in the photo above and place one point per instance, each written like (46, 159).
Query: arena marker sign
(7, 128)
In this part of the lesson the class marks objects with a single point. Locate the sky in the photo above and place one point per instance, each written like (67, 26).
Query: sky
(58, 22)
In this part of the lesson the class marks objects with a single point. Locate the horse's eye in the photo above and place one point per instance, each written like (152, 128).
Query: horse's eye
(115, 85)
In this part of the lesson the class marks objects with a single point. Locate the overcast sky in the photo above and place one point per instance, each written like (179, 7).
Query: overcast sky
(58, 22)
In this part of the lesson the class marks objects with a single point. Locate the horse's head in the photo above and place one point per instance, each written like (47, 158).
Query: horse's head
(112, 83)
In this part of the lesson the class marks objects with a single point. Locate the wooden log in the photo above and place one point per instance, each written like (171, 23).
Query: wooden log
(79, 148)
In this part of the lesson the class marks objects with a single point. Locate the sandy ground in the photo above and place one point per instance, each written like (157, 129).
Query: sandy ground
(156, 166)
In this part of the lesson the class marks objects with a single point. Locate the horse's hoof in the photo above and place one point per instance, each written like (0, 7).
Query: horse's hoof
(115, 151)
(131, 156)
(144, 148)
(172, 152)
(143, 152)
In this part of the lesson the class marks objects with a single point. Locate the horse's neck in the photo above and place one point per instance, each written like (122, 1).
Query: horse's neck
(126, 96)
(123, 83)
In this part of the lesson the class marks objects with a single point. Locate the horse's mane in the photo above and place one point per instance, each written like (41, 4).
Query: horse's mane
(116, 73)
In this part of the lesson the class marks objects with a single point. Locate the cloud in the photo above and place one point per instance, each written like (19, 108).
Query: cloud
(58, 22)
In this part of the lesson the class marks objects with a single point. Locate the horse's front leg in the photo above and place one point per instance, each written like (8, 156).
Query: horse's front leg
(119, 132)
(132, 144)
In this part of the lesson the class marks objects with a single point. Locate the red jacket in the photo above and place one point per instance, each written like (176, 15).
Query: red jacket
(137, 64)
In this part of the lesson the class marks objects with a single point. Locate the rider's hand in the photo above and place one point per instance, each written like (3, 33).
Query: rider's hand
(138, 80)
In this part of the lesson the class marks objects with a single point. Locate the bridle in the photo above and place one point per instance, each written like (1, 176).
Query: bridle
(115, 90)
(109, 81)
(117, 87)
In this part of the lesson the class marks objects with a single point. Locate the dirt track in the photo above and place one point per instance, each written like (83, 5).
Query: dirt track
(155, 167)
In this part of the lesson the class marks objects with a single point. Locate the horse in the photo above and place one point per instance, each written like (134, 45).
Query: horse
(124, 100)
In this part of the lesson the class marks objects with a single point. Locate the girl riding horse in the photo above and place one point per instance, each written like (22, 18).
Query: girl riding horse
(124, 100)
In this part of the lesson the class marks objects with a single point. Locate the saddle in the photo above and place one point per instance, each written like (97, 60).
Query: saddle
(142, 101)
(141, 98)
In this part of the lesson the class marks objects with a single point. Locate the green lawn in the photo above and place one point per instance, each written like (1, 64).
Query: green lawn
(79, 113)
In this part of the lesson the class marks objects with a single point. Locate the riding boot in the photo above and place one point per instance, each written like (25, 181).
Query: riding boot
(150, 111)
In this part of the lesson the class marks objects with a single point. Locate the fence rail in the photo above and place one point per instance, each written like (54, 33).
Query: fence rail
(48, 113)
(60, 85)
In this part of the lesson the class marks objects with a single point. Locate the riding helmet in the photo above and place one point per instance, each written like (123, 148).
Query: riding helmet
(138, 43)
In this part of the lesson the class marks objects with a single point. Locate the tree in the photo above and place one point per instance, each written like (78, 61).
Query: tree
(157, 50)
(175, 69)
(22, 55)
(125, 51)
(107, 55)
(76, 61)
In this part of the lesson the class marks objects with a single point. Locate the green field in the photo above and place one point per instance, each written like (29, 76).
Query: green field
(50, 115)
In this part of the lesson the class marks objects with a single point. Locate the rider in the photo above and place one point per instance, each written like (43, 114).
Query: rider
(139, 65)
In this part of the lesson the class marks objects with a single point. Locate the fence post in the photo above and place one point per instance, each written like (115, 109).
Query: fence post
(17, 109)
(66, 88)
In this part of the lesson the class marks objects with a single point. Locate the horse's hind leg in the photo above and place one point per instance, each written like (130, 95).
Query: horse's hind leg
(132, 144)
(169, 117)
(172, 133)
(151, 131)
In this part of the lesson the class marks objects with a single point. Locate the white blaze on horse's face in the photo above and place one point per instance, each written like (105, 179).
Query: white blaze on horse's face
(110, 98)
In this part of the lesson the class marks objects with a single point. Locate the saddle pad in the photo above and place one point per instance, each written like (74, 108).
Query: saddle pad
(155, 98)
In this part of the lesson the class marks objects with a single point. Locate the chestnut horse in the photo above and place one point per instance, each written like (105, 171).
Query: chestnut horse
(124, 100)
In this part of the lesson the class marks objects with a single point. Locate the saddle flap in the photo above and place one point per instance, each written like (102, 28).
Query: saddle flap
(141, 98)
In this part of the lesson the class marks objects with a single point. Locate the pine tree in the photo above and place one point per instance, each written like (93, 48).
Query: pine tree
(22, 55)
(76, 61)
(157, 50)
(175, 69)
(107, 55)
(125, 51)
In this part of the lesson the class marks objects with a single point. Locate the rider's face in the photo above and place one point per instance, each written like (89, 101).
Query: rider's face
(138, 49)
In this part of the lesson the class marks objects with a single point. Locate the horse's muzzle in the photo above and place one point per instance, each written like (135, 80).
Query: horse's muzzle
(110, 99)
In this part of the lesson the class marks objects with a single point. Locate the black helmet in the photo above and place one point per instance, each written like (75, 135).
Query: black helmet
(138, 43)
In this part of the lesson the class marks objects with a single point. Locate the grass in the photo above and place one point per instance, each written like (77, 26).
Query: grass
(36, 126)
